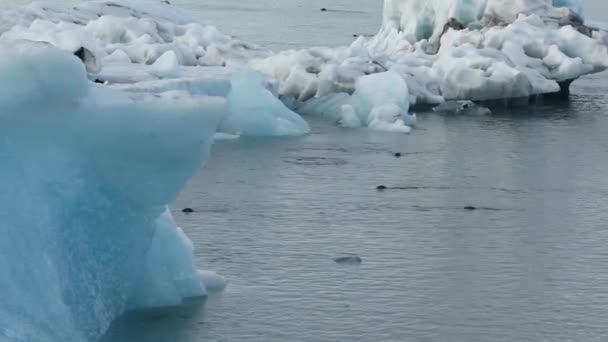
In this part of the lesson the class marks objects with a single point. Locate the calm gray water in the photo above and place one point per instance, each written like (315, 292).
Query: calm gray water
(529, 265)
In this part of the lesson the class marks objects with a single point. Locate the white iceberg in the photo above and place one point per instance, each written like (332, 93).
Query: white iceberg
(443, 50)
(88, 169)
(453, 50)
(152, 47)
(382, 102)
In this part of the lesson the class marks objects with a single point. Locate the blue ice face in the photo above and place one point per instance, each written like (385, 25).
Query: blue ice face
(86, 177)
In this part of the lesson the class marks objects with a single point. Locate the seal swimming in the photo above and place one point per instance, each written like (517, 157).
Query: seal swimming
(349, 260)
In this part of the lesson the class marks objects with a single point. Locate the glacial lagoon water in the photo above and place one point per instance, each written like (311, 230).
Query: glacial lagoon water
(271, 215)
(528, 265)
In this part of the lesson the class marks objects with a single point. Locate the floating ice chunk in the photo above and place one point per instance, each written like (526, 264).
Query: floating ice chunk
(256, 111)
(417, 20)
(454, 49)
(349, 117)
(411, 119)
(381, 100)
(422, 80)
(469, 74)
(117, 57)
(169, 275)
(213, 281)
(563, 67)
(574, 44)
(85, 211)
(167, 66)
(386, 118)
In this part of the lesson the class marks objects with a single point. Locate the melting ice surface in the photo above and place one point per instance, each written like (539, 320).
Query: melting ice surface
(88, 169)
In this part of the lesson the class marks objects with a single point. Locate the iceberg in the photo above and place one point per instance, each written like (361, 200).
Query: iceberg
(449, 51)
(416, 20)
(153, 47)
(87, 172)
(382, 102)
(256, 111)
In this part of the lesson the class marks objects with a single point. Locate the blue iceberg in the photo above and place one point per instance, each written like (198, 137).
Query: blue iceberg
(86, 174)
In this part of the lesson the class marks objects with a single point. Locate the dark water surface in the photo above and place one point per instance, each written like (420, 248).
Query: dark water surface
(529, 265)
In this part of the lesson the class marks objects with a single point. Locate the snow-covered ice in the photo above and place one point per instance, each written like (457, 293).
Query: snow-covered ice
(152, 47)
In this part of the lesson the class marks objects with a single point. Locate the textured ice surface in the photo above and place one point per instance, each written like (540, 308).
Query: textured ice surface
(152, 47)
(443, 50)
(382, 102)
(256, 111)
(87, 173)
(379, 101)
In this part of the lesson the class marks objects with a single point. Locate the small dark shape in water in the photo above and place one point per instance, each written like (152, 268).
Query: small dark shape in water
(166, 2)
(97, 80)
(349, 260)
(323, 9)
(188, 211)
(381, 188)
(470, 208)
(398, 155)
